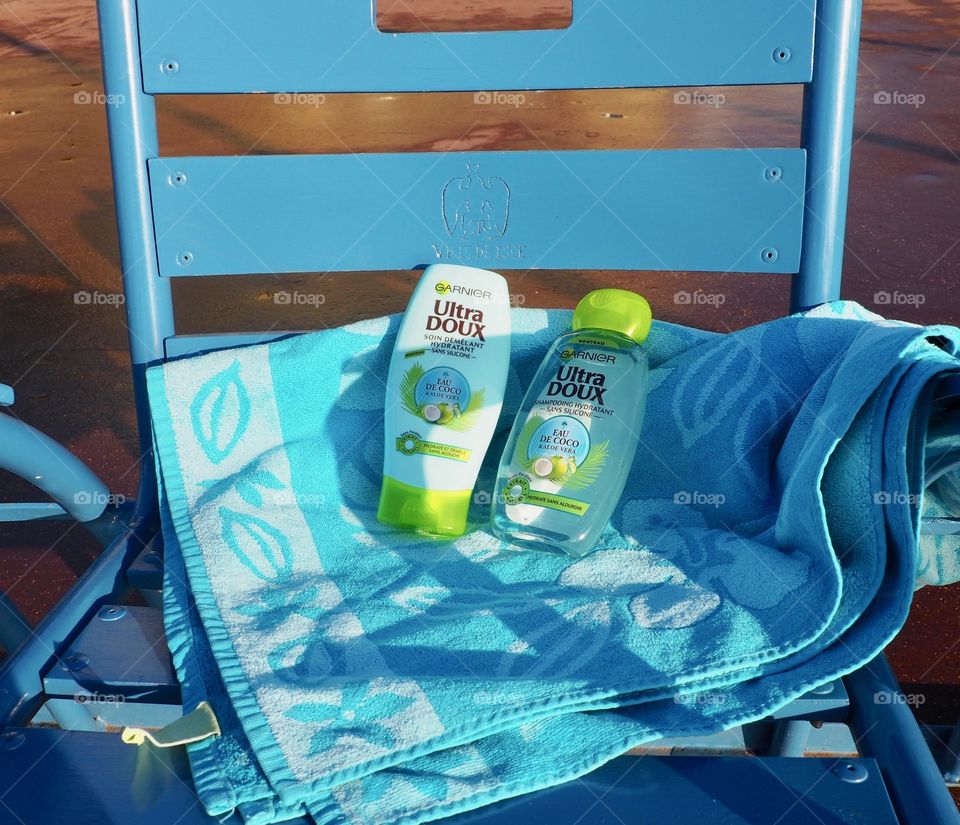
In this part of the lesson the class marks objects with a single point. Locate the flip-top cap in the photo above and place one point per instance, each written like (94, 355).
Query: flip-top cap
(618, 310)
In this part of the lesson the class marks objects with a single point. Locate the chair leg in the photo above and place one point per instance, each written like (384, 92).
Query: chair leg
(21, 689)
(885, 729)
(14, 627)
(950, 757)
(790, 737)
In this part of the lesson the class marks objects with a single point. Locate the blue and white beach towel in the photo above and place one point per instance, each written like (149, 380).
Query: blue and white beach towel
(767, 541)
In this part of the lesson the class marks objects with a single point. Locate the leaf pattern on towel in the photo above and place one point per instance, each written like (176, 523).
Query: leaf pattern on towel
(658, 514)
(750, 574)
(249, 489)
(673, 606)
(847, 310)
(662, 595)
(272, 607)
(462, 772)
(750, 455)
(304, 662)
(704, 396)
(365, 712)
(433, 786)
(220, 413)
(419, 598)
(756, 576)
(263, 549)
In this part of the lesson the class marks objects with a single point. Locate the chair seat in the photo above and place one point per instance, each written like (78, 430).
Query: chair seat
(107, 782)
(120, 652)
(117, 671)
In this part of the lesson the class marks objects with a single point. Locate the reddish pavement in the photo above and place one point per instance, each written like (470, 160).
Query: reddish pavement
(57, 237)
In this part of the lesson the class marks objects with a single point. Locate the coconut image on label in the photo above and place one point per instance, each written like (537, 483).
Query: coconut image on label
(542, 467)
(557, 447)
(554, 466)
(441, 396)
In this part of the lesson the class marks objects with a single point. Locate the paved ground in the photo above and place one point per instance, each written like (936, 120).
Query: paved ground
(67, 359)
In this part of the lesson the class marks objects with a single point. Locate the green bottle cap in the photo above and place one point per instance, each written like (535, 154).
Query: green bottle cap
(429, 512)
(617, 310)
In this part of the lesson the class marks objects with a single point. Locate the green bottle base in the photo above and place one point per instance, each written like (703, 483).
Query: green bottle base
(435, 513)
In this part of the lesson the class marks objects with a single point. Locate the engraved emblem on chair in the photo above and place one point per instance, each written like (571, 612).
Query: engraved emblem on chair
(474, 207)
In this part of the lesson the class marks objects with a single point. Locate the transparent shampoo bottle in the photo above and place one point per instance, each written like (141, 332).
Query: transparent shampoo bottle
(572, 445)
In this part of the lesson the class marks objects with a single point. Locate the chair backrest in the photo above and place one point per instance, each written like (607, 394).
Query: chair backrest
(777, 210)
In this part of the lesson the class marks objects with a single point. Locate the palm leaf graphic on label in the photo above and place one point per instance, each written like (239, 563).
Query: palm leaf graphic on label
(469, 416)
(461, 420)
(589, 471)
(408, 388)
(570, 476)
(521, 455)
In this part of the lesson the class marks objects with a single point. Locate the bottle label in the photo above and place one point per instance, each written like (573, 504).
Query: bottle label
(441, 396)
(447, 374)
(518, 491)
(564, 445)
(412, 443)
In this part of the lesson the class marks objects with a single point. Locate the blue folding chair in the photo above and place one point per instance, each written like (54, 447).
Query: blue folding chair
(98, 661)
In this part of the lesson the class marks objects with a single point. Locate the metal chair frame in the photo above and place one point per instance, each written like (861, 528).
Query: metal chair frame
(894, 754)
